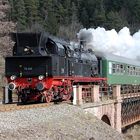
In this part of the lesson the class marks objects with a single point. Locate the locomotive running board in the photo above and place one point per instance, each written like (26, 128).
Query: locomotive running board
(80, 79)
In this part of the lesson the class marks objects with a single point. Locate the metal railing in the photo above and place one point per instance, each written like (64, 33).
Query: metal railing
(130, 112)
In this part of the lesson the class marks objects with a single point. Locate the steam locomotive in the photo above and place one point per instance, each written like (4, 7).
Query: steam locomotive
(45, 68)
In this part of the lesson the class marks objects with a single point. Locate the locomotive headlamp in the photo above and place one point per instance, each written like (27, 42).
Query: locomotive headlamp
(11, 86)
(41, 77)
(13, 77)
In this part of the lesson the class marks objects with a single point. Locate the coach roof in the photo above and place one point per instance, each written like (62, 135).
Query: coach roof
(112, 57)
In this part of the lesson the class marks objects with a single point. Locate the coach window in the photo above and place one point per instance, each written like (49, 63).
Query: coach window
(118, 68)
(134, 71)
(113, 68)
(139, 71)
(121, 68)
(131, 70)
(128, 70)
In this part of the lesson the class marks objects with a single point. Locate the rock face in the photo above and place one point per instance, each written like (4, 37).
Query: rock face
(5, 28)
(58, 122)
(2, 70)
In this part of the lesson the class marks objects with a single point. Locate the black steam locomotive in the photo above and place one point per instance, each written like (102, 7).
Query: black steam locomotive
(44, 67)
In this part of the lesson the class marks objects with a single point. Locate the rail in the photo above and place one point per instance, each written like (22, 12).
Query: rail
(15, 106)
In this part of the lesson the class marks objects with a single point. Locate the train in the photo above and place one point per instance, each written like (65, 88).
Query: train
(45, 68)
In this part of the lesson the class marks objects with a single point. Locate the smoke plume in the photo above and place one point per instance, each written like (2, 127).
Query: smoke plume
(121, 43)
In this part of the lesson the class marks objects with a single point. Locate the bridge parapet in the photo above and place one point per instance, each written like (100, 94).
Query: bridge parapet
(111, 109)
(93, 93)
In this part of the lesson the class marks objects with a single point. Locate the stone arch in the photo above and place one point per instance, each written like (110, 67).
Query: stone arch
(106, 119)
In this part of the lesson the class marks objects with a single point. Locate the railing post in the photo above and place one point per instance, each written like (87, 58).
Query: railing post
(7, 95)
(77, 95)
(95, 93)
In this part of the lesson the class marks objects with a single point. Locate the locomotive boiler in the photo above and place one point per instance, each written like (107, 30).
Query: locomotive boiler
(45, 68)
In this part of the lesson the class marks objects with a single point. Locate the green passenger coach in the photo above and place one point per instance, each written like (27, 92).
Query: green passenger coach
(118, 70)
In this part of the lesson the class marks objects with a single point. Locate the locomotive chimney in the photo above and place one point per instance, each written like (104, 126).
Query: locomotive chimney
(82, 43)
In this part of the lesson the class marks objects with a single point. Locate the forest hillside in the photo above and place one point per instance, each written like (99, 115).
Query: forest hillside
(64, 18)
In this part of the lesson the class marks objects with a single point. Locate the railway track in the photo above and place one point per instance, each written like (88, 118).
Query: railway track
(15, 106)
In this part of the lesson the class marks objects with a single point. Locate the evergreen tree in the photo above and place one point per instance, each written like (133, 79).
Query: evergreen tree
(114, 21)
(99, 15)
(12, 9)
(75, 24)
(113, 5)
(32, 12)
(20, 14)
(67, 7)
(43, 9)
(51, 21)
(69, 31)
(84, 18)
(61, 13)
(88, 12)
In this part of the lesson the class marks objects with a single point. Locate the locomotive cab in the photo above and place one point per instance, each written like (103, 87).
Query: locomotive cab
(25, 44)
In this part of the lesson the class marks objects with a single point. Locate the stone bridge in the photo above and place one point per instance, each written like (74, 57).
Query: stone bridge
(119, 111)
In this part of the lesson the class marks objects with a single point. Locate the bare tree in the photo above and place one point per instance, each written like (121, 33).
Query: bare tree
(6, 27)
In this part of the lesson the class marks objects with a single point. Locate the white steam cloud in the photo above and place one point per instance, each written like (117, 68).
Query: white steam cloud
(121, 43)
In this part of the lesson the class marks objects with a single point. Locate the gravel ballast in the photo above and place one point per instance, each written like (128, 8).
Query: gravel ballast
(57, 122)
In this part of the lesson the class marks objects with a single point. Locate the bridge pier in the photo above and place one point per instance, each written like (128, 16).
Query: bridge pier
(117, 106)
